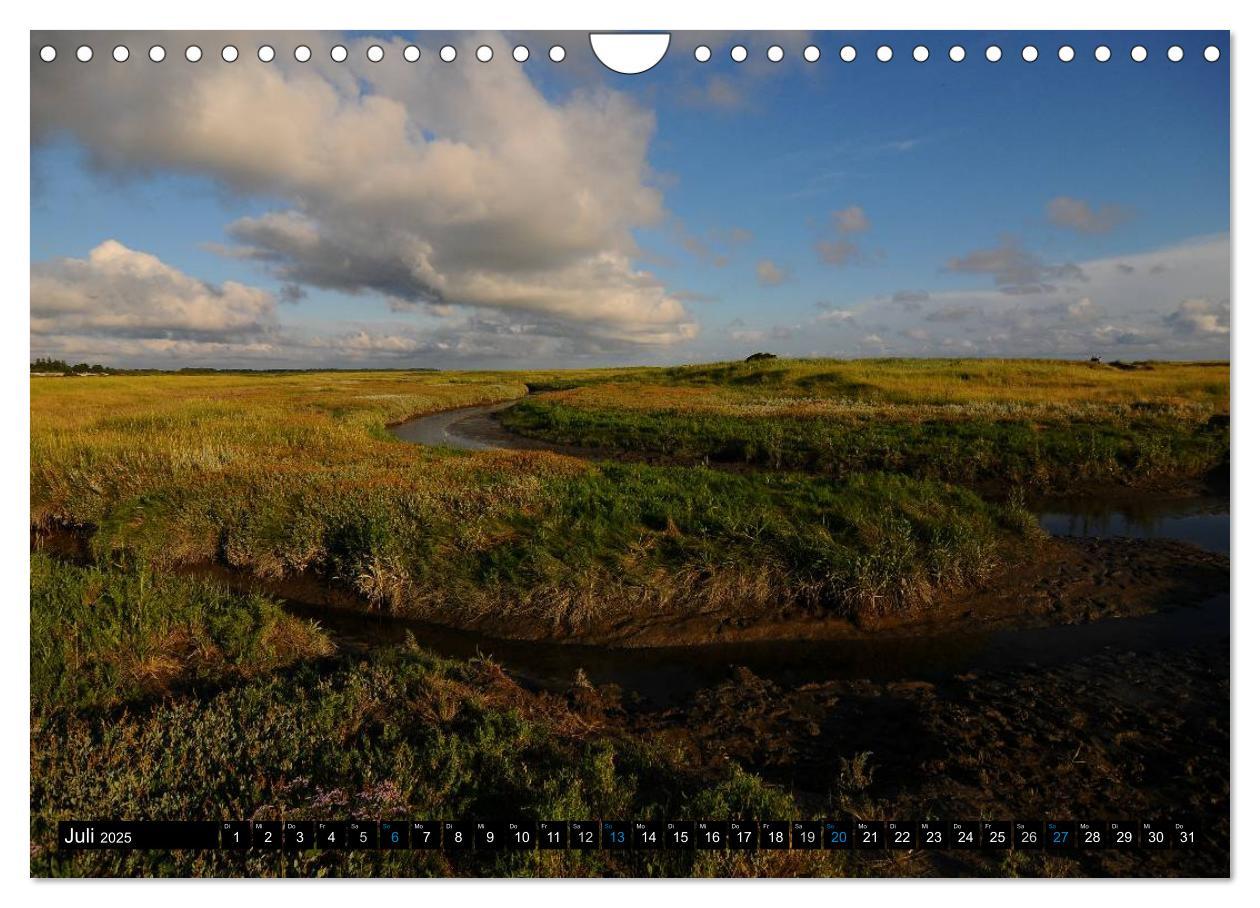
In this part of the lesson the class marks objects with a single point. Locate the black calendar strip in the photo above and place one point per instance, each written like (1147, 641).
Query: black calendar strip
(629, 835)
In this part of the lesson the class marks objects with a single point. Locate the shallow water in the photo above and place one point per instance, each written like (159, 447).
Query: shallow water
(1202, 521)
(468, 428)
(668, 674)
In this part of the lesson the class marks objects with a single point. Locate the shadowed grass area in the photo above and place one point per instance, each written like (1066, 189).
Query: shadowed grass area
(402, 735)
(104, 637)
(1045, 425)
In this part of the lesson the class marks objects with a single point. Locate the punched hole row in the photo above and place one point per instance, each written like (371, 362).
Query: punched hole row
(375, 53)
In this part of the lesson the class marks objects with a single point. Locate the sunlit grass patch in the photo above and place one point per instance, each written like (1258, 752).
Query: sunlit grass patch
(1039, 424)
(281, 475)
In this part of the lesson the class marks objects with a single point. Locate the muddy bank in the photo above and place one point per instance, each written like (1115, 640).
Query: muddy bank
(1114, 735)
(1056, 581)
(1069, 581)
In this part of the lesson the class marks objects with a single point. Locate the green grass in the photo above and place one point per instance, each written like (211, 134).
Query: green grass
(275, 476)
(1048, 455)
(100, 638)
(1042, 425)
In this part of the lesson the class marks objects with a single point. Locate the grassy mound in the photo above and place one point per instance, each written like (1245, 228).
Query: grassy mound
(1043, 425)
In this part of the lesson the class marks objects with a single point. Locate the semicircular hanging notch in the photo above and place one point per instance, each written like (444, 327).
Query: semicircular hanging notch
(630, 53)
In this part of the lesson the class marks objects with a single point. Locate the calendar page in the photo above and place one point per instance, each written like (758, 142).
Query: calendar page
(657, 454)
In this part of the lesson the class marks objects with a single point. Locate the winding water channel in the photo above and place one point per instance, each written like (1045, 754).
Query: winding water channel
(662, 674)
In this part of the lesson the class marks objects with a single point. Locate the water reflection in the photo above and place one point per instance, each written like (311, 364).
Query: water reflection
(1199, 521)
(671, 674)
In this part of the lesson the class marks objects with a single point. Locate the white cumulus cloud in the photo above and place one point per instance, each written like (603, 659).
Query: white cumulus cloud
(456, 185)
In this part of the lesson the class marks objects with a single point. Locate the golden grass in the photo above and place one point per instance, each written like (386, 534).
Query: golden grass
(913, 389)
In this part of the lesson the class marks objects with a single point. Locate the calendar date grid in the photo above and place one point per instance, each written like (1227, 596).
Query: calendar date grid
(487, 836)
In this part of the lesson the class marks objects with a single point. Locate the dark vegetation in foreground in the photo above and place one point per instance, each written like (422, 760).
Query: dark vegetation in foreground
(401, 733)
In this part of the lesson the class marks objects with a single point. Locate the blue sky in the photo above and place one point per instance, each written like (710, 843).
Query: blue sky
(544, 214)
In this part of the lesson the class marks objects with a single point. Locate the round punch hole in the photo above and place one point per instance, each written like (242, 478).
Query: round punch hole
(811, 54)
(192, 53)
(411, 53)
(520, 53)
(556, 53)
(375, 53)
(920, 54)
(883, 53)
(1029, 53)
(157, 53)
(774, 53)
(958, 53)
(485, 53)
(1175, 54)
(229, 53)
(447, 53)
(1138, 53)
(993, 53)
(339, 53)
(121, 54)
(302, 53)
(739, 53)
(1211, 53)
(83, 54)
(1067, 53)
(1102, 53)
(848, 53)
(703, 54)
(266, 53)
(48, 53)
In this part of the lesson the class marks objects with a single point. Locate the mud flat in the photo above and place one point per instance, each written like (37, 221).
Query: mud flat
(1118, 734)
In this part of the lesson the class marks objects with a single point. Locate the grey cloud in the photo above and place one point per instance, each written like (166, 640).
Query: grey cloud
(951, 314)
(715, 93)
(292, 293)
(1015, 270)
(714, 247)
(769, 274)
(836, 252)
(1200, 318)
(851, 220)
(1076, 214)
(838, 249)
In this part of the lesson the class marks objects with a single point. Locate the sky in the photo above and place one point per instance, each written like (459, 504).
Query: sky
(550, 214)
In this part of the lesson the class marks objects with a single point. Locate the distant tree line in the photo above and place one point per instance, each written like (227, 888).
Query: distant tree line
(44, 364)
(61, 367)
